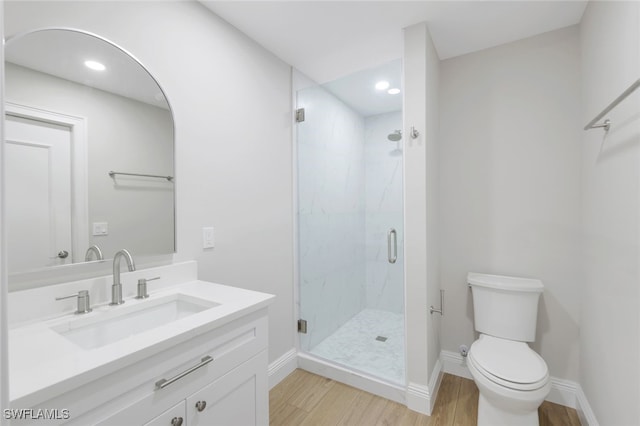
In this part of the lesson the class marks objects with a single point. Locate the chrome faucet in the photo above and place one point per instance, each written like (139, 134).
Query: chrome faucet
(116, 288)
(95, 250)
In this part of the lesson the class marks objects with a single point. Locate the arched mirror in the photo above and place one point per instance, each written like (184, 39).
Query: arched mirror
(89, 142)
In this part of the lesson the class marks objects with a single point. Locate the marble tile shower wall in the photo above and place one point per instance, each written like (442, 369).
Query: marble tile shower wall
(384, 210)
(331, 217)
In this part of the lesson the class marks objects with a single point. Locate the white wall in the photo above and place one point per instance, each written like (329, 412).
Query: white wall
(432, 166)
(510, 184)
(610, 293)
(232, 110)
(123, 135)
(421, 88)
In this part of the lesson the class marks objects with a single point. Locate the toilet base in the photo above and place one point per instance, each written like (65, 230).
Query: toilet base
(490, 415)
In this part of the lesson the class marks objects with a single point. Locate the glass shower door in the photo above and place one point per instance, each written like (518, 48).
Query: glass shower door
(350, 230)
(330, 214)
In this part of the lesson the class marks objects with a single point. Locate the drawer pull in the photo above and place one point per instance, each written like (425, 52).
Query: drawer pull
(201, 405)
(177, 421)
(161, 384)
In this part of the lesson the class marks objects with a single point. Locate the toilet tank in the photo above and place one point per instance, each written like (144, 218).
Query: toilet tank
(505, 307)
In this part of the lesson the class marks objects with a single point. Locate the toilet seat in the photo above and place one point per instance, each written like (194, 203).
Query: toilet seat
(508, 363)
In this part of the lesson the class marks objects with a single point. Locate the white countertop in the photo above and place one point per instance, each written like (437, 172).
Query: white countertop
(43, 363)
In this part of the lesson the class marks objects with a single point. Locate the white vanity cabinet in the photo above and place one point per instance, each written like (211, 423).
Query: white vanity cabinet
(194, 351)
(233, 399)
(230, 389)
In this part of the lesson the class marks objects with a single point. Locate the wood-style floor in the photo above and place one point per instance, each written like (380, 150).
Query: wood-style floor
(304, 398)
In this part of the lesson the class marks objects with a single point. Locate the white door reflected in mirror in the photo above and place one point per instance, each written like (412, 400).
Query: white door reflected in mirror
(38, 158)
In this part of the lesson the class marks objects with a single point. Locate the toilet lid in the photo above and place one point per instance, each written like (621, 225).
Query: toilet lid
(508, 361)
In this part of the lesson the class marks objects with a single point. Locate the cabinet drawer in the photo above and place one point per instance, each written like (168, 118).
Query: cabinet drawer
(130, 395)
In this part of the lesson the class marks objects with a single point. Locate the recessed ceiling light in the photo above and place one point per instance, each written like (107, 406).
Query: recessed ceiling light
(96, 66)
(382, 85)
(393, 91)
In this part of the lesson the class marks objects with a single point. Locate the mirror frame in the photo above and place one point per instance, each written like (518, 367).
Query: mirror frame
(49, 275)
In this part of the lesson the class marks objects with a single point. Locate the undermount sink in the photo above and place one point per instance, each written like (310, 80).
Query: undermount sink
(103, 328)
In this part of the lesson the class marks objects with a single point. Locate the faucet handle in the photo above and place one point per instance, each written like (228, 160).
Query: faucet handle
(142, 287)
(84, 303)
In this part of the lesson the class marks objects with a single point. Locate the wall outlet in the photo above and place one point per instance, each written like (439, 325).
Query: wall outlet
(207, 238)
(100, 228)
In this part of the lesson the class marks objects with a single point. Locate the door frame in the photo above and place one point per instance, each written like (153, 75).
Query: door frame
(79, 187)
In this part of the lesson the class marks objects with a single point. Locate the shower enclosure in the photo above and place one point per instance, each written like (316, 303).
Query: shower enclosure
(350, 225)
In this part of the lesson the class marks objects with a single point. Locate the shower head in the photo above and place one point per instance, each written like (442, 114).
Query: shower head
(395, 136)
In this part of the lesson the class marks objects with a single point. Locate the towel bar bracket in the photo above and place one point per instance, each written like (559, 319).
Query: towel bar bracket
(607, 123)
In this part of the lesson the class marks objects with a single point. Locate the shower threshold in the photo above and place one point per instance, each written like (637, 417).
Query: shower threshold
(352, 377)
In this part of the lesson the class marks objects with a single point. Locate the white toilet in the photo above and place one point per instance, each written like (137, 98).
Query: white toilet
(513, 379)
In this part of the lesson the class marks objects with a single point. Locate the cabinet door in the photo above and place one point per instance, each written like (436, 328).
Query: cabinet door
(174, 416)
(241, 397)
(144, 412)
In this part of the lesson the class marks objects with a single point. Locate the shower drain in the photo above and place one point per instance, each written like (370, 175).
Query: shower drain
(381, 339)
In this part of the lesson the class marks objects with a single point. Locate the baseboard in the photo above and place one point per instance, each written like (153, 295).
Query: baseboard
(422, 398)
(587, 418)
(419, 398)
(454, 363)
(563, 392)
(282, 367)
(434, 384)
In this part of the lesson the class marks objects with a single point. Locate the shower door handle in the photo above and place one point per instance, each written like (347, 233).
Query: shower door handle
(392, 249)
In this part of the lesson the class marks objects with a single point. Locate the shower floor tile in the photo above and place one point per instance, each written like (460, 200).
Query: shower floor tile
(360, 344)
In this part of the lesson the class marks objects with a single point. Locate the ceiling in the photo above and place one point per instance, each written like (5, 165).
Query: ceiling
(330, 39)
(347, 45)
(358, 90)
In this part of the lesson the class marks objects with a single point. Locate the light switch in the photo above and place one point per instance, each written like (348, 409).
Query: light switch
(100, 228)
(207, 238)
